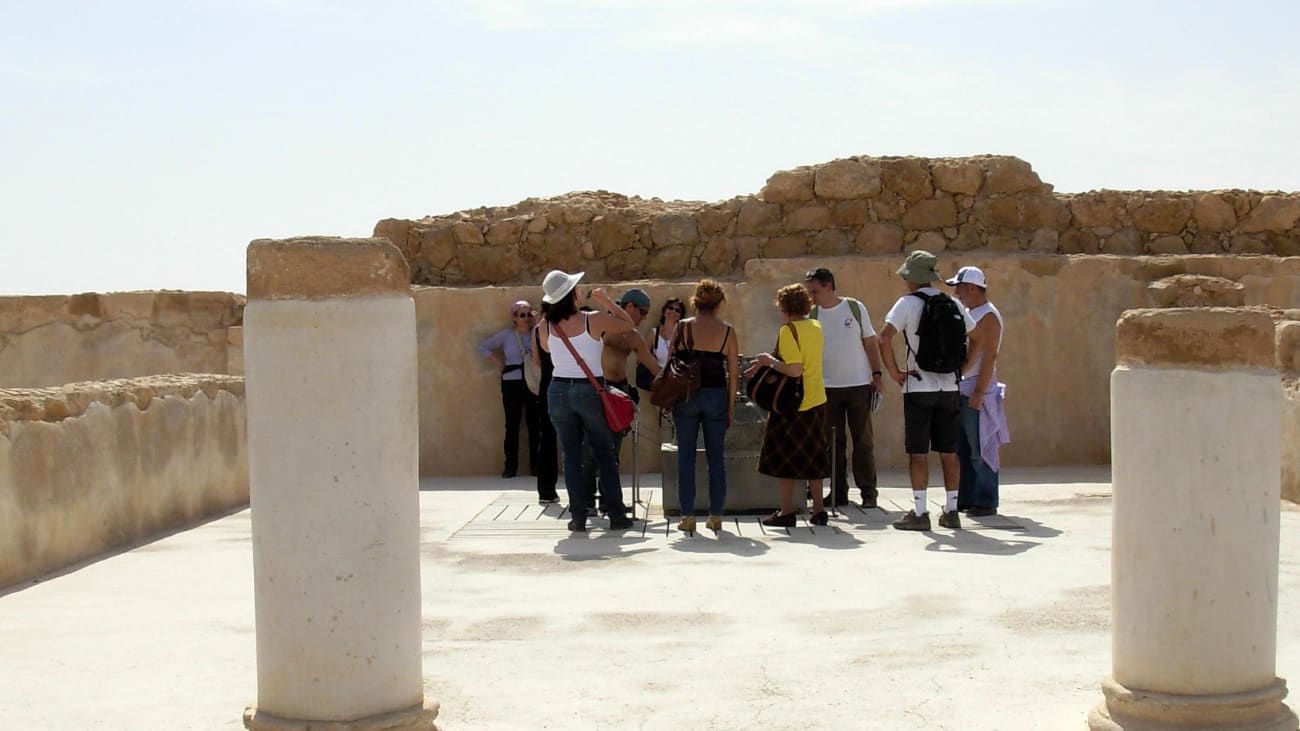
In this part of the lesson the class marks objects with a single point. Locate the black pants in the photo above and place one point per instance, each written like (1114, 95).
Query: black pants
(851, 407)
(519, 403)
(546, 463)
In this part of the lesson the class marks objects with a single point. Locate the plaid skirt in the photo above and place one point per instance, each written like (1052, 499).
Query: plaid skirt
(794, 446)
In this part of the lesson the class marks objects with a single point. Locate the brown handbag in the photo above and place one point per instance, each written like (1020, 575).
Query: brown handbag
(680, 376)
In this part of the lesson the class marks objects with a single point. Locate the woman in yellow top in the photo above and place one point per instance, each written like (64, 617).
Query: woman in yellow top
(794, 445)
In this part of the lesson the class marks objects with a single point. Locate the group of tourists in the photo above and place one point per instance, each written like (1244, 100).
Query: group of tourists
(554, 366)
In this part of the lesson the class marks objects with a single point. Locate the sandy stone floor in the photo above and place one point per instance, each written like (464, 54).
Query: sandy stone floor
(1003, 625)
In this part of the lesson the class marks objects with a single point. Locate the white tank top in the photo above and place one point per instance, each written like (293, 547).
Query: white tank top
(587, 345)
(967, 385)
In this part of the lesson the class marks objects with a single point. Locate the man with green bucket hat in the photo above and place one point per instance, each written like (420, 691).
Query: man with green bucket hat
(934, 328)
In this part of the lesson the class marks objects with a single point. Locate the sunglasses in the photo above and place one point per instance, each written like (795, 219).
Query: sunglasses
(522, 315)
(678, 310)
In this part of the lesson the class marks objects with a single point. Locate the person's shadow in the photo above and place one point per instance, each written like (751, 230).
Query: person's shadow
(601, 545)
(725, 542)
(977, 537)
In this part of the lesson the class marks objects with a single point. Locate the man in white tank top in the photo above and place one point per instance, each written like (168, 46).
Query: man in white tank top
(983, 422)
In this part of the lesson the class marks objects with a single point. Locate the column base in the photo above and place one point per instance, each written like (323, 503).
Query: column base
(1138, 710)
(417, 718)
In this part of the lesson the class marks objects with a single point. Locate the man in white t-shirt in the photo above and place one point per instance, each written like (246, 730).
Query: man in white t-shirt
(851, 370)
(931, 401)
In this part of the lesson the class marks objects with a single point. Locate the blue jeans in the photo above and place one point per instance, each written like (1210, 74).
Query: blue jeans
(577, 415)
(707, 407)
(979, 484)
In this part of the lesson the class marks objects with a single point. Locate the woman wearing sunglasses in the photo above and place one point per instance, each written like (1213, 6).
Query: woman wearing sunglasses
(506, 349)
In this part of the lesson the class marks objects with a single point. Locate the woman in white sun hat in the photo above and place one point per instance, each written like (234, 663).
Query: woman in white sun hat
(574, 405)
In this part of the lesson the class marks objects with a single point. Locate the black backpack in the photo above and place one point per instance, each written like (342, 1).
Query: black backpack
(942, 335)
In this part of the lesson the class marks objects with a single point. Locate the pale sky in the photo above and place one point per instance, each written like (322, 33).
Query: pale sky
(143, 144)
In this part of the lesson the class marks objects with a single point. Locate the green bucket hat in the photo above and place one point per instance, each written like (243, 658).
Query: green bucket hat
(920, 267)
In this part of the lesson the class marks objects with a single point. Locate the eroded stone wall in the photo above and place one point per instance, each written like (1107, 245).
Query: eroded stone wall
(57, 339)
(1058, 349)
(1288, 356)
(860, 205)
(88, 467)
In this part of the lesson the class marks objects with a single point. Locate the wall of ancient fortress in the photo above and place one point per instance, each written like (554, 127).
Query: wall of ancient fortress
(57, 339)
(1058, 349)
(862, 205)
(88, 467)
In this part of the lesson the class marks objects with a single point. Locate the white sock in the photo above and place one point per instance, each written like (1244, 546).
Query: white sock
(951, 503)
(918, 497)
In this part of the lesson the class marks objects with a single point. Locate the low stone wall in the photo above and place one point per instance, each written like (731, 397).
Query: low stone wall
(51, 340)
(88, 467)
(1058, 350)
(1288, 357)
(859, 205)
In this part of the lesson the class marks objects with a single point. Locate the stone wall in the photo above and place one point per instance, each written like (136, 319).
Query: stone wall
(88, 467)
(860, 205)
(1057, 358)
(51, 340)
(1288, 357)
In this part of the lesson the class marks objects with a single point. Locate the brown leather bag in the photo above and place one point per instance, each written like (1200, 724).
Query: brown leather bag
(680, 376)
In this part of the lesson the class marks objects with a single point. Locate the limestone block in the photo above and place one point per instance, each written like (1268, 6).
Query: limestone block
(786, 186)
(880, 238)
(1126, 241)
(1045, 240)
(758, 218)
(1010, 175)
(673, 229)
(538, 225)
(998, 214)
(610, 233)
(931, 213)
(1285, 244)
(1213, 214)
(669, 263)
(999, 242)
(964, 178)
(931, 241)
(1274, 213)
(719, 256)
(1168, 245)
(506, 232)
(466, 233)
(1247, 245)
(560, 249)
(845, 179)
(1097, 209)
(1161, 215)
(437, 247)
(627, 265)
(968, 237)
(747, 247)
(809, 218)
(783, 247)
(1196, 290)
(831, 242)
(1043, 212)
(489, 264)
(909, 178)
(1206, 242)
(575, 215)
(1075, 241)
(851, 213)
(316, 267)
(1288, 347)
(398, 231)
(1201, 338)
(714, 220)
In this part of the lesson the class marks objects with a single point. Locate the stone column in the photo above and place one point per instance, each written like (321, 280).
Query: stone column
(1195, 450)
(331, 396)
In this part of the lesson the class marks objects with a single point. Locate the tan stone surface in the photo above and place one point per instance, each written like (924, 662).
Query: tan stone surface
(320, 267)
(880, 238)
(89, 467)
(1205, 338)
(1213, 214)
(958, 178)
(1195, 290)
(931, 214)
(1161, 215)
(808, 218)
(55, 339)
(1274, 213)
(788, 185)
(909, 178)
(758, 218)
(847, 179)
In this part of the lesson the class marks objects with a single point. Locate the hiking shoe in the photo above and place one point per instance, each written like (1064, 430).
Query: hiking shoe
(819, 518)
(620, 523)
(780, 520)
(976, 511)
(950, 519)
(912, 521)
(578, 525)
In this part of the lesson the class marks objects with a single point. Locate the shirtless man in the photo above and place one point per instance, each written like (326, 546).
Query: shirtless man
(613, 360)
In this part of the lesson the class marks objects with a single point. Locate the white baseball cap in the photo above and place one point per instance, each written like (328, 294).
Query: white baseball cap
(969, 275)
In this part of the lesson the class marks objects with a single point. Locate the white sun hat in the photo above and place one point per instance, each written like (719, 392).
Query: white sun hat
(557, 284)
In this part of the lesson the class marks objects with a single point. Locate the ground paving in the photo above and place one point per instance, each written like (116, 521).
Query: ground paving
(1002, 625)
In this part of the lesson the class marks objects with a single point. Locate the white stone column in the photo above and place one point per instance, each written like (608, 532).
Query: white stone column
(1195, 450)
(329, 345)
